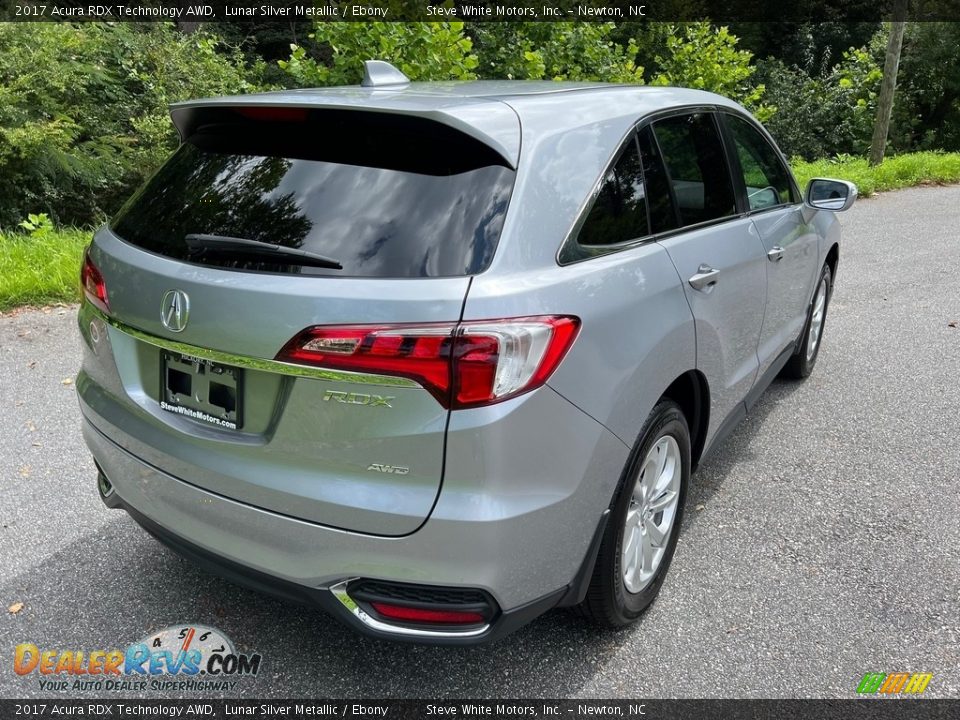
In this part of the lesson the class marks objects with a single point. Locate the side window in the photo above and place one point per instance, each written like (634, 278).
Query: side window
(696, 166)
(767, 181)
(619, 212)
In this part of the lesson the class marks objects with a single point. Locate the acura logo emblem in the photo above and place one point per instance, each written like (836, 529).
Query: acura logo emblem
(175, 310)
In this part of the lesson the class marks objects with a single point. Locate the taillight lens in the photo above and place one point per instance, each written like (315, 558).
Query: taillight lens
(92, 283)
(462, 365)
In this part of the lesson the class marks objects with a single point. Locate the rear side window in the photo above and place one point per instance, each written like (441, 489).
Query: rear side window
(619, 212)
(381, 195)
(766, 179)
(697, 167)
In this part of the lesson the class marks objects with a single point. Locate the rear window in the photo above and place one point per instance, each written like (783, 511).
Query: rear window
(381, 195)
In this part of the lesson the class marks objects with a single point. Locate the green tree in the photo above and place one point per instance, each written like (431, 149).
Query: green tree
(927, 112)
(826, 115)
(555, 51)
(83, 110)
(697, 55)
(422, 51)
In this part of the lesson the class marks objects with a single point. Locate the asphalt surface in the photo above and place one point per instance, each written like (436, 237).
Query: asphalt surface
(821, 541)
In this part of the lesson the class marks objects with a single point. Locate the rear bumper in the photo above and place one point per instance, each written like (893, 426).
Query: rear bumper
(527, 562)
(504, 623)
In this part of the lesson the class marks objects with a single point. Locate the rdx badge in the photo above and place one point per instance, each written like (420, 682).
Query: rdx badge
(357, 398)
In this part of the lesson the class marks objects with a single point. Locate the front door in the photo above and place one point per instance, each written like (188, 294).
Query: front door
(790, 243)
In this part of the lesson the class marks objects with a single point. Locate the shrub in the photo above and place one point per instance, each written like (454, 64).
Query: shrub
(83, 110)
(422, 51)
(825, 115)
(696, 55)
(555, 51)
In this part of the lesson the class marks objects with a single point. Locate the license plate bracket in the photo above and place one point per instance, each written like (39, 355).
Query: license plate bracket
(202, 390)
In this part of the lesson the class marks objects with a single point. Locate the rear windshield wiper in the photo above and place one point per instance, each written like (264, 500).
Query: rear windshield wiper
(200, 244)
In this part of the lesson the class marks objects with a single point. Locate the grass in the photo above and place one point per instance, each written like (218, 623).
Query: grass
(44, 268)
(41, 269)
(900, 171)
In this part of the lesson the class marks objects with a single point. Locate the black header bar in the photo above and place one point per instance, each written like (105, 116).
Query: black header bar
(480, 11)
(214, 709)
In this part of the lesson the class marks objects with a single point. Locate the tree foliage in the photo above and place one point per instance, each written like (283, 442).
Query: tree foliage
(696, 55)
(422, 51)
(84, 117)
(824, 115)
(555, 51)
(83, 110)
(926, 112)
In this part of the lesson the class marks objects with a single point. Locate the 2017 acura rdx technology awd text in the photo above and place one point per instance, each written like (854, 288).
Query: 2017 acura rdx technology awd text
(442, 356)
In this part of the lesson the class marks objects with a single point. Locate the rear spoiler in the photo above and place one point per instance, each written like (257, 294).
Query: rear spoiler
(491, 122)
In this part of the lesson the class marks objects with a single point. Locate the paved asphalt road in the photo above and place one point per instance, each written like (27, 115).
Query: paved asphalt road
(822, 541)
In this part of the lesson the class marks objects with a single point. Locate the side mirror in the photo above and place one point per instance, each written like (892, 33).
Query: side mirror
(827, 194)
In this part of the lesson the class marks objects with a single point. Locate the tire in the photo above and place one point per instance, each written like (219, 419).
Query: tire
(802, 362)
(611, 601)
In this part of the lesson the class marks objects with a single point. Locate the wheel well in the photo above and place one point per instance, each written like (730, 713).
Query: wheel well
(691, 393)
(833, 257)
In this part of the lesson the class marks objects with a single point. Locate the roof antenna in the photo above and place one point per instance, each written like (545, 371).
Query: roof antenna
(380, 74)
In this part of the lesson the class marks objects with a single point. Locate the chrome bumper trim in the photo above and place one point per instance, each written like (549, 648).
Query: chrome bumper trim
(340, 593)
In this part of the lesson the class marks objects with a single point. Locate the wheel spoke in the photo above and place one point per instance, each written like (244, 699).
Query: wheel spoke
(629, 556)
(646, 554)
(821, 299)
(662, 453)
(657, 535)
(662, 502)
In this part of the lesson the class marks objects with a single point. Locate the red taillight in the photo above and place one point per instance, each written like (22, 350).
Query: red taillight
(412, 614)
(92, 283)
(461, 365)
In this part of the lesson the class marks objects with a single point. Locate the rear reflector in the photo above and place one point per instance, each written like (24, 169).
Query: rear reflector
(462, 365)
(412, 614)
(91, 281)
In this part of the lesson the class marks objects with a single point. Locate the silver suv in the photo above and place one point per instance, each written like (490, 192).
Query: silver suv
(440, 357)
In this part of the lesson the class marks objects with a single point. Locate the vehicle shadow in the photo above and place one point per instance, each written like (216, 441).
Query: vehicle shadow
(117, 585)
(737, 448)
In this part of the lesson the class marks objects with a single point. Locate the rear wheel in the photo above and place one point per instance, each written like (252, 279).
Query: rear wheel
(801, 363)
(641, 535)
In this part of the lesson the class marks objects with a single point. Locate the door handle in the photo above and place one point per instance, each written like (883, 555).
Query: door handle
(705, 278)
(775, 253)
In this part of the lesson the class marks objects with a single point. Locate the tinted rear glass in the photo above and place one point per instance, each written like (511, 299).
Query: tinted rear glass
(383, 195)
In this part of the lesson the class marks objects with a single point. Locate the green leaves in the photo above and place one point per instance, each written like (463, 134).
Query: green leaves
(75, 101)
(696, 55)
(422, 51)
(38, 225)
(555, 51)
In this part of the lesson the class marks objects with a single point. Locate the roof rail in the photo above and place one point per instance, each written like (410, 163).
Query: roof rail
(378, 74)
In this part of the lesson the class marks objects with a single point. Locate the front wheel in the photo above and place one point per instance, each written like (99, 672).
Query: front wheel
(641, 534)
(801, 363)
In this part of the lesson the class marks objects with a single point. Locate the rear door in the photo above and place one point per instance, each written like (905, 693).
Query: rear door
(404, 209)
(715, 249)
(773, 203)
